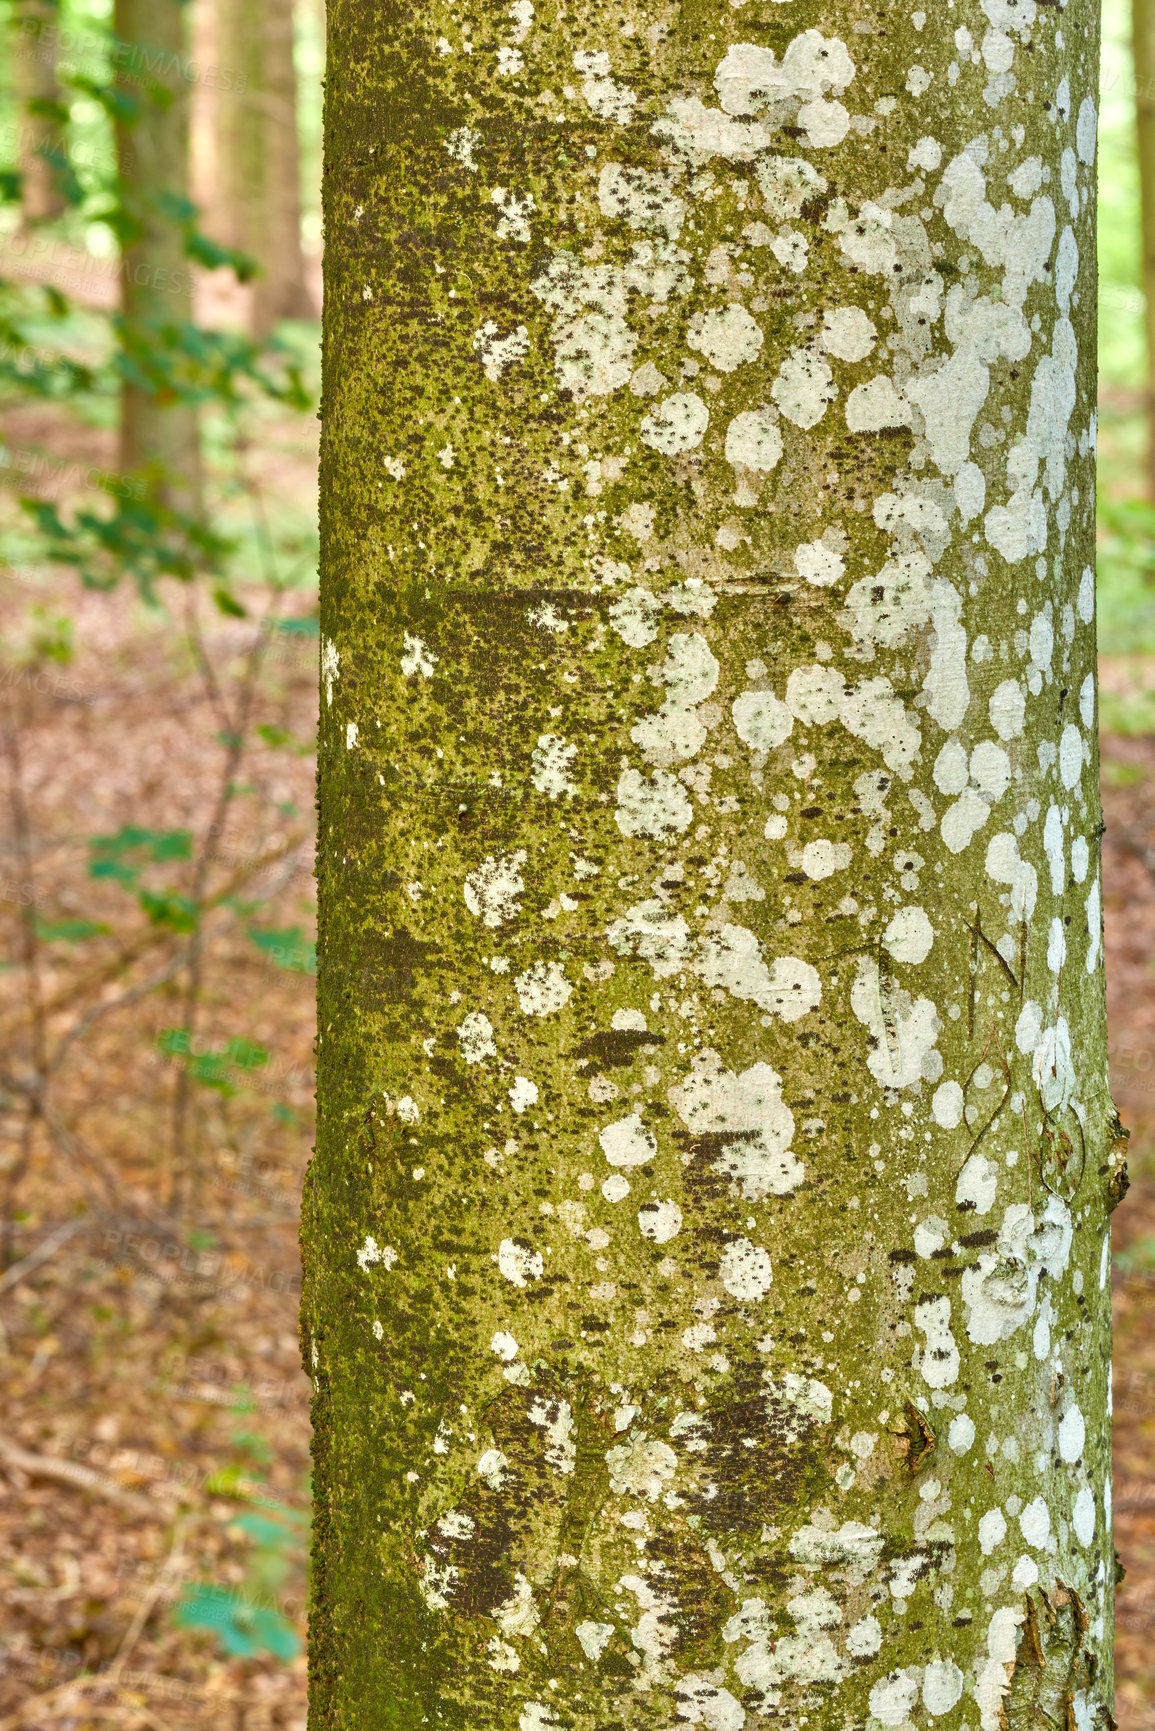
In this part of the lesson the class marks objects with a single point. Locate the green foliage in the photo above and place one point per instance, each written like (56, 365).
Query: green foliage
(69, 931)
(1138, 1258)
(1126, 592)
(242, 1629)
(108, 854)
(286, 949)
(139, 536)
(47, 638)
(228, 604)
(129, 532)
(177, 912)
(219, 1070)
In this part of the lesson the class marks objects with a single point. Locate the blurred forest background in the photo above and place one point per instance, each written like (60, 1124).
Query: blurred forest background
(160, 281)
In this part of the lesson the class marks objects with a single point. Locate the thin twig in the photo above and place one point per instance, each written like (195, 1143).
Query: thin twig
(152, 936)
(46, 1248)
(195, 951)
(131, 996)
(162, 1579)
(79, 1478)
(30, 958)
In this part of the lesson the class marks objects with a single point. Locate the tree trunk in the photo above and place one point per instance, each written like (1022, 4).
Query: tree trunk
(259, 156)
(707, 1243)
(34, 24)
(1143, 44)
(159, 436)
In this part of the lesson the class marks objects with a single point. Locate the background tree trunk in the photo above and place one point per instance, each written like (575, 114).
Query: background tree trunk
(258, 151)
(707, 1242)
(159, 435)
(1143, 41)
(34, 25)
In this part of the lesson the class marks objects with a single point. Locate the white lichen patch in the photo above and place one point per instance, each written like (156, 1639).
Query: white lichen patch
(498, 352)
(677, 425)
(660, 1221)
(746, 1272)
(847, 333)
(804, 388)
(641, 1467)
(728, 337)
(492, 890)
(519, 1262)
(371, 1252)
(909, 935)
(641, 198)
(902, 1029)
(753, 441)
(652, 806)
(551, 765)
(628, 1142)
(938, 1361)
(608, 100)
(475, 1037)
(330, 668)
(747, 1108)
(543, 990)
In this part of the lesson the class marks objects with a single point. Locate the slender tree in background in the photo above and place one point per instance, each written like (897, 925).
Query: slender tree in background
(33, 43)
(159, 435)
(1143, 47)
(707, 1242)
(258, 202)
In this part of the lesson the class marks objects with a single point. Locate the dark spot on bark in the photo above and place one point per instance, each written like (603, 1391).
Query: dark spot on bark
(616, 1048)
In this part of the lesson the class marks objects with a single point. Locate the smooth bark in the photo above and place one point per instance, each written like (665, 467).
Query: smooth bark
(259, 205)
(159, 435)
(33, 43)
(707, 1243)
(1143, 43)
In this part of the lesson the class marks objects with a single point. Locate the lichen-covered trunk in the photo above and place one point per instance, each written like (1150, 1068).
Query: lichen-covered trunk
(159, 437)
(259, 207)
(707, 1241)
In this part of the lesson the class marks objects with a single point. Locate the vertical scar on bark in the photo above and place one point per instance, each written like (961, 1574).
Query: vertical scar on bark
(919, 1441)
(1052, 1666)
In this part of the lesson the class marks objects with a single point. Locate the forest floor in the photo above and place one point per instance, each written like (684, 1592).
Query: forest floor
(154, 1435)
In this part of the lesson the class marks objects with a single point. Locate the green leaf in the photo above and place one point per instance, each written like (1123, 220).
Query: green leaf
(228, 604)
(215, 1070)
(246, 1055)
(175, 911)
(285, 949)
(272, 1534)
(69, 931)
(250, 1442)
(48, 108)
(159, 845)
(242, 1629)
(274, 735)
